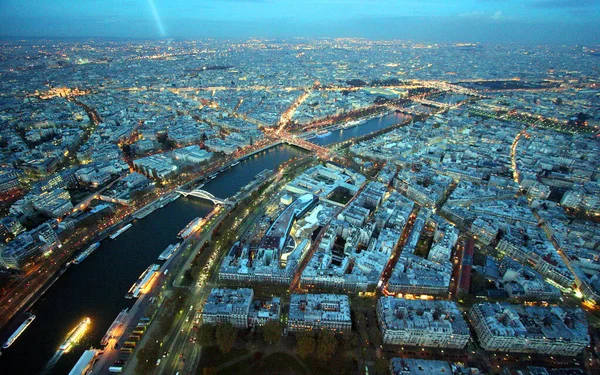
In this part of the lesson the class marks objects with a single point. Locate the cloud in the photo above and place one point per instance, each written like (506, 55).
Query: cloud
(560, 4)
(241, 1)
(478, 15)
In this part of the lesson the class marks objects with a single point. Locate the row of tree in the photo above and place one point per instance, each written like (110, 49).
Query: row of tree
(224, 335)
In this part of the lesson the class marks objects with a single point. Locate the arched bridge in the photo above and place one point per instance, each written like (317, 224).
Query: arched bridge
(199, 193)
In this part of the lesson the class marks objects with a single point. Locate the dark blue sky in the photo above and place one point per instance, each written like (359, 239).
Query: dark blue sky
(529, 21)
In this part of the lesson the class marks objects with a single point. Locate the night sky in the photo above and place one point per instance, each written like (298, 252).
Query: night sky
(527, 21)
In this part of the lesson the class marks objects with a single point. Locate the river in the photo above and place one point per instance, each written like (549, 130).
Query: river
(370, 126)
(96, 287)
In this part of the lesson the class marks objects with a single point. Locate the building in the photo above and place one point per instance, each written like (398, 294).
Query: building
(9, 179)
(324, 181)
(18, 250)
(535, 370)
(319, 311)
(263, 311)
(191, 155)
(237, 307)
(422, 323)
(352, 254)
(539, 191)
(415, 275)
(155, 166)
(277, 256)
(9, 228)
(524, 282)
(530, 329)
(485, 231)
(54, 203)
(228, 305)
(411, 366)
(219, 145)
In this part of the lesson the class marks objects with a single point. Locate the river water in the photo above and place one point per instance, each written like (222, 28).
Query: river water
(370, 126)
(96, 287)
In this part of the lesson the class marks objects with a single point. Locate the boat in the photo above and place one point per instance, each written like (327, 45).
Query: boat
(190, 228)
(142, 282)
(75, 334)
(120, 231)
(323, 133)
(144, 212)
(19, 331)
(110, 333)
(86, 362)
(85, 253)
(169, 251)
(236, 163)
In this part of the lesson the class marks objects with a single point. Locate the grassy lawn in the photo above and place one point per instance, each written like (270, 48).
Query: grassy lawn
(274, 364)
(213, 357)
(279, 363)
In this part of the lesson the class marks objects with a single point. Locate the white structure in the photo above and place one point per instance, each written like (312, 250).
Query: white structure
(316, 311)
(192, 154)
(228, 305)
(422, 323)
(530, 329)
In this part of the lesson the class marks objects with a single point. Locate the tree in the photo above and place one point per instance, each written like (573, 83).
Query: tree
(209, 371)
(361, 325)
(375, 336)
(225, 337)
(206, 335)
(147, 355)
(272, 331)
(326, 345)
(342, 365)
(187, 277)
(306, 345)
(382, 366)
(478, 282)
(351, 341)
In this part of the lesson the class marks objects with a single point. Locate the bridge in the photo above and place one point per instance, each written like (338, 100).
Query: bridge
(320, 151)
(203, 194)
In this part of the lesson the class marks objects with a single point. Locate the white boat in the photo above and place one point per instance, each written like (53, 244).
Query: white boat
(191, 227)
(84, 254)
(113, 327)
(120, 231)
(75, 334)
(169, 251)
(142, 282)
(86, 362)
(323, 134)
(19, 331)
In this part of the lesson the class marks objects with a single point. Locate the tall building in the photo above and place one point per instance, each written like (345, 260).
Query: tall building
(237, 307)
(228, 305)
(530, 329)
(410, 366)
(319, 311)
(422, 323)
